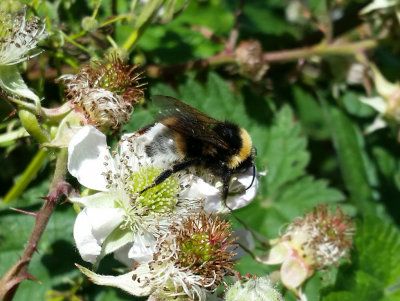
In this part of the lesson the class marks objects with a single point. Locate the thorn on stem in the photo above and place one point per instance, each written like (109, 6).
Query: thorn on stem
(13, 112)
(30, 276)
(34, 214)
(35, 248)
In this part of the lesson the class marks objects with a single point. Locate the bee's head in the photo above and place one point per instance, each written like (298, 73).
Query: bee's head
(241, 152)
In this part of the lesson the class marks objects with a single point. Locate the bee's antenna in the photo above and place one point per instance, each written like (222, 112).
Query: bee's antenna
(254, 176)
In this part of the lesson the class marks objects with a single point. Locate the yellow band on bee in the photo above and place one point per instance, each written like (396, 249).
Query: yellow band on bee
(245, 150)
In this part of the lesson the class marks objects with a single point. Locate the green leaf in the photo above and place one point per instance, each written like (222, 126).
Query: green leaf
(354, 106)
(375, 270)
(261, 17)
(310, 114)
(9, 138)
(348, 142)
(285, 152)
(378, 250)
(340, 296)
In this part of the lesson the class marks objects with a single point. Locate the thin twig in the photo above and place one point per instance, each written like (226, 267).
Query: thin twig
(233, 37)
(224, 58)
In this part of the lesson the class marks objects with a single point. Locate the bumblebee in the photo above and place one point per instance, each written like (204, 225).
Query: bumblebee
(222, 147)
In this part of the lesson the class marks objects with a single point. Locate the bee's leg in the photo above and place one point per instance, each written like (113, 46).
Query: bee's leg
(226, 179)
(168, 172)
(254, 176)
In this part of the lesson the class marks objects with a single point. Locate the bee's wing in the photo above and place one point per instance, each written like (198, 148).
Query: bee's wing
(187, 120)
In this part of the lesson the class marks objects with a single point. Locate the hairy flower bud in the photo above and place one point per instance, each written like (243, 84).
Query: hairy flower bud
(90, 24)
(315, 241)
(249, 56)
(104, 93)
(192, 259)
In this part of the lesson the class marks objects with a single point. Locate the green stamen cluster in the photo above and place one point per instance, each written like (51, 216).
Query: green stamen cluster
(198, 248)
(161, 198)
(117, 77)
(205, 245)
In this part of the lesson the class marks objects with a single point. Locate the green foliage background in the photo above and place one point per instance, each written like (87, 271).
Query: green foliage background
(306, 122)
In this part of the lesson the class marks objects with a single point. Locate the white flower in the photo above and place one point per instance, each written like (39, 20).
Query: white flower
(317, 240)
(190, 263)
(18, 36)
(116, 216)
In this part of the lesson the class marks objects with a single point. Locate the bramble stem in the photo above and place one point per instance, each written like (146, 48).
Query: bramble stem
(323, 49)
(19, 271)
(223, 58)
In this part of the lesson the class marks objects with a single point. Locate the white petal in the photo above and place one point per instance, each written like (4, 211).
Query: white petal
(377, 103)
(122, 255)
(202, 190)
(143, 247)
(137, 287)
(237, 201)
(92, 226)
(86, 157)
(377, 4)
(86, 243)
(378, 124)
(294, 272)
(97, 200)
(277, 254)
(385, 88)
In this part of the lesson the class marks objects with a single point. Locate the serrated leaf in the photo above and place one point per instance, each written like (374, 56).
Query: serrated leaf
(285, 153)
(378, 249)
(348, 143)
(318, 192)
(375, 270)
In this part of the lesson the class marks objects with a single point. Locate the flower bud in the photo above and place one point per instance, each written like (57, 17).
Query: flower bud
(249, 56)
(192, 259)
(315, 241)
(104, 93)
(89, 24)
(253, 289)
